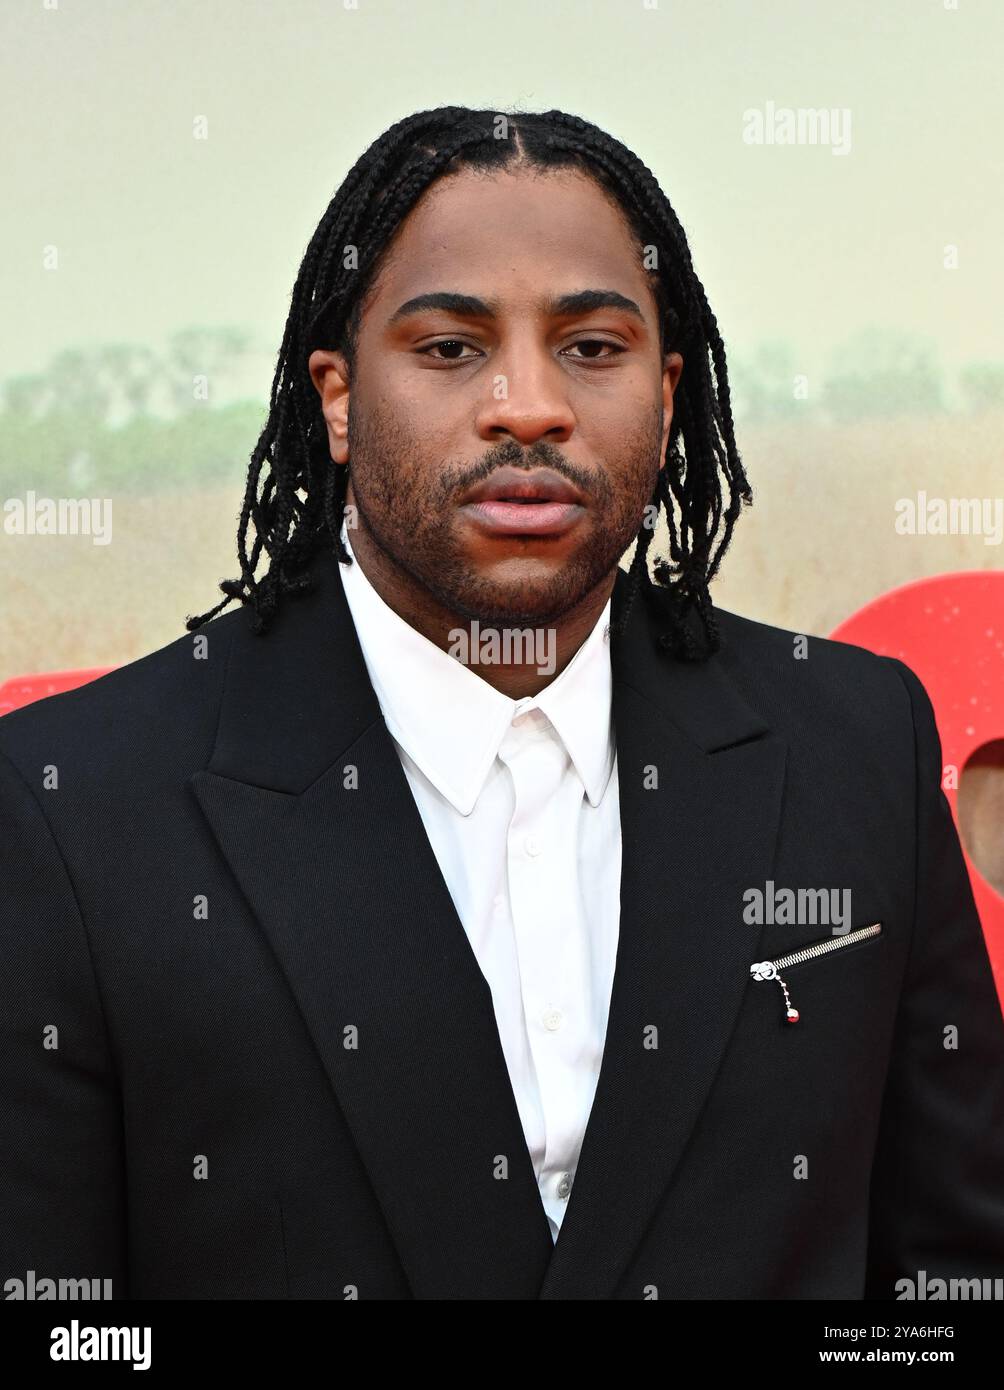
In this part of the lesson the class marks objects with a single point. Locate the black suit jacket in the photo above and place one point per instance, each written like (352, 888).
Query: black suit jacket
(278, 1072)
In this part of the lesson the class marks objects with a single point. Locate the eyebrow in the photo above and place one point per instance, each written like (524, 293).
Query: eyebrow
(471, 307)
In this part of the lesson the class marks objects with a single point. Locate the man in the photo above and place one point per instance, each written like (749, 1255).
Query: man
(414, 929)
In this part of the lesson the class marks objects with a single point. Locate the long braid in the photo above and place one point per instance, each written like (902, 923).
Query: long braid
(325, 310)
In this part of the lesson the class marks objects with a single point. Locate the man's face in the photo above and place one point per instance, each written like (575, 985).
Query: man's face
(442, 397)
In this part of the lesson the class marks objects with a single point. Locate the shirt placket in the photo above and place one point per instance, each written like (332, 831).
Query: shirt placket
(544, 898)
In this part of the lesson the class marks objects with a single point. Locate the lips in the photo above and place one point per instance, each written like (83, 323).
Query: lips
(513, 502)
(518, 486)
(525, 519)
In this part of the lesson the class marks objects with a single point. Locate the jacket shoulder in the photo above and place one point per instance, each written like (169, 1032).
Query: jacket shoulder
(830, 683)
(160, 709)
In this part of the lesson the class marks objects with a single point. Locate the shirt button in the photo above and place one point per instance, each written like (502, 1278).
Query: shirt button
(564, 1186)
(532, 846)
(552, 1020)
(521, 711)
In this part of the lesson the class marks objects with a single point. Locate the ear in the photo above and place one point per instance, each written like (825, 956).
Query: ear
(330, 375)
(670, 380)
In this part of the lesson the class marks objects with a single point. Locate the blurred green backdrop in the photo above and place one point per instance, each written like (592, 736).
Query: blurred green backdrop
(165, 164)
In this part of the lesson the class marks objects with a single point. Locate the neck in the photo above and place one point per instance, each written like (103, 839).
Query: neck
(508, 666)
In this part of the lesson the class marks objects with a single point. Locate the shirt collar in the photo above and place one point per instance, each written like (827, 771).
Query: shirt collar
(450, 722)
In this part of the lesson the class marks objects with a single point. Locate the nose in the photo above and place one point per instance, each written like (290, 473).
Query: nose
(526, 397)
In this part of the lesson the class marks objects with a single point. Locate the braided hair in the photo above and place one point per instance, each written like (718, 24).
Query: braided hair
(296, 508)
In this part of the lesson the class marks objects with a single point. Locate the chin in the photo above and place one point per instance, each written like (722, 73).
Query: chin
(515, 608)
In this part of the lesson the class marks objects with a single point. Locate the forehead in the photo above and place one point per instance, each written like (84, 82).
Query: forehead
(508, 233)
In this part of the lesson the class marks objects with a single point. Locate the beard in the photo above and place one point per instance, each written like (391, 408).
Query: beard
(410, 511)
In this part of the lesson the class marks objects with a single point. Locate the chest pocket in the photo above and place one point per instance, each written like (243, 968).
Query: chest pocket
(770, 970)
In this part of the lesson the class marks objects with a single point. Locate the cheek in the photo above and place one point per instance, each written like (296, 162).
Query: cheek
(635, 415)
(640, 449)
(386, 440)
(622, 421)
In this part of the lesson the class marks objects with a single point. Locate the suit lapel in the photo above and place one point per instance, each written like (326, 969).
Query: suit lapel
(309, 804)
(691, 847)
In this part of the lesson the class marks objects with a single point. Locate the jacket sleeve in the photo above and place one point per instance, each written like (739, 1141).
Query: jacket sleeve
(937, 1190)
(62, 1193)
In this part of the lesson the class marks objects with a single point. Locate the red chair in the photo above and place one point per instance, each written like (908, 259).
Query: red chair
(22, 690)
(948, 628)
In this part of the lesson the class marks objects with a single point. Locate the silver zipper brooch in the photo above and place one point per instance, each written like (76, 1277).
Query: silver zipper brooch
(768, 969)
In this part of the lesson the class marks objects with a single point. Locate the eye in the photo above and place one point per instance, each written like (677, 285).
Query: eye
(449, 347)
(446, 343)
(598, 343)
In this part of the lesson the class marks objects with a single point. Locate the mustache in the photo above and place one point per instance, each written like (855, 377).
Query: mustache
(510, 455)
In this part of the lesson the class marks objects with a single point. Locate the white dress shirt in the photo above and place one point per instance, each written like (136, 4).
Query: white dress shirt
(519, 799)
